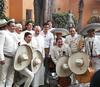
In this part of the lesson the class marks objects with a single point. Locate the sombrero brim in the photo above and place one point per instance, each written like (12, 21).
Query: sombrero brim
(23, 49)
(59, 70)
(95, 26)
(3, 24)
(60, 30)
(86, 77)
(36, 54)
(72, 65)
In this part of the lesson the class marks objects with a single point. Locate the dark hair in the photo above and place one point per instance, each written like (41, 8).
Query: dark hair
(91, 30)
(49, 21)
(10, 23)
(26, 34)
(58, 39)
(45, 24)
(28, 23)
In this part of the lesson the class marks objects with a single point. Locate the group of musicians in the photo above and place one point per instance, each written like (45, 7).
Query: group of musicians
(52, 48)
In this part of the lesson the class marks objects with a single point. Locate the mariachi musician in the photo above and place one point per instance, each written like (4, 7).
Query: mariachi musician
(22, 61)
(75, 42)
(92, 43)
(58, 51)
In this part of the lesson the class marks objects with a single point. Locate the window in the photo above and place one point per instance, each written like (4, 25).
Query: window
(28, 14)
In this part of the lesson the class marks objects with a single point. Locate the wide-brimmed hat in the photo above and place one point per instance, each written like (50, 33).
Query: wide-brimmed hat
(62, 68)
(37, 61)
(60, 30)
(86, 77)
(23, 57)
(11, 20)
(95, 26)
(79, 62)
(3, 22)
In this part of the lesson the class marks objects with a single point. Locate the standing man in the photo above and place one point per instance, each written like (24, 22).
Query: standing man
(50, 25)
(18, 30)
(48, 43)
(8, 47)
(74, 40)
(92, 43)
(38, 44)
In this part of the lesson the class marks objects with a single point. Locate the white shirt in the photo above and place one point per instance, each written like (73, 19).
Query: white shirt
(94, 45)
(8, 44)
(38, 43)
(48, 39)
(73, 42)
(57, 52)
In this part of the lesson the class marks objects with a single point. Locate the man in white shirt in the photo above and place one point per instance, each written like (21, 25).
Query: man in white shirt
(8, 47)
(59, 50)
(50, 25)
(92, 48)
(48, 43)
(38, 44)
(18, 30)
(74, 40)
(29, 75)
(76, 43)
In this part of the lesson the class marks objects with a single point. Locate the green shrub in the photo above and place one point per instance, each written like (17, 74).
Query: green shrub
(61, 20)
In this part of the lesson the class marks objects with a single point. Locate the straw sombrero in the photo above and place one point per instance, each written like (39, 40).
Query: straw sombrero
(79, 63)
(3, 22)
(62, 68)
(95, 26)
(60, 30)
(23, 57)
(37, 61)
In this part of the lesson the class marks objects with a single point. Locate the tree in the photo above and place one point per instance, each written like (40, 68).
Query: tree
(2, 9)
(39, 6)
(43, 10)
(38, 11)
(81, 6)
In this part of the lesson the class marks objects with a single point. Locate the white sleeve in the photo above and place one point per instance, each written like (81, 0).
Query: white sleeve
(53, 55)
(2, 41)
(52, 39)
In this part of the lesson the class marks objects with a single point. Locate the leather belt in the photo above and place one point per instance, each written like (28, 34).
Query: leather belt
(46, 50)
(11, 57)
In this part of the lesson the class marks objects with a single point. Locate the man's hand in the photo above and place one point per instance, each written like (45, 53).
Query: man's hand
(2, 62)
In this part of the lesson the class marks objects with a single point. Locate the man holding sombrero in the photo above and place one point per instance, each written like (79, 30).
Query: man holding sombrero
(76, 43)
(22, 61)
